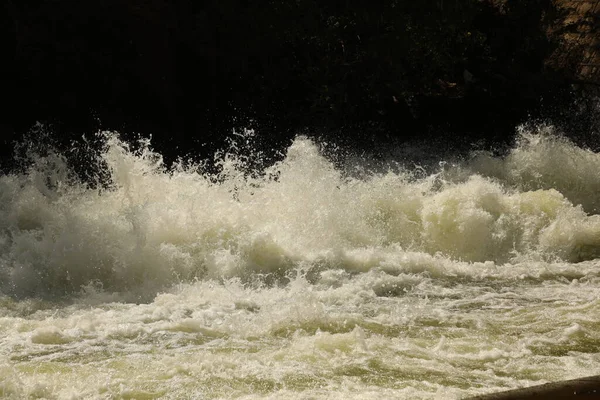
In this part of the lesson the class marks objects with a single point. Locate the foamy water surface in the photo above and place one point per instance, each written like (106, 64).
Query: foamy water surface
(305, 280)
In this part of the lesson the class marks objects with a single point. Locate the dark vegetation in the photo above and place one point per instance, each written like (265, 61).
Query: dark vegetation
(365, 73)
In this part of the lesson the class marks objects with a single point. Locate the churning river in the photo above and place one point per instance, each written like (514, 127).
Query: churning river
(306, 280)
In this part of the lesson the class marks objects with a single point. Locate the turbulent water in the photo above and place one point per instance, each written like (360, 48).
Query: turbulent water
(306, 280)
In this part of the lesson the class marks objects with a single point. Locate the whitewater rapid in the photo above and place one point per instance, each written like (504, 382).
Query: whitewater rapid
(305, 279)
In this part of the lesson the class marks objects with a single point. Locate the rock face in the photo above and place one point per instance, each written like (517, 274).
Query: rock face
(188, 71)
(577, 32)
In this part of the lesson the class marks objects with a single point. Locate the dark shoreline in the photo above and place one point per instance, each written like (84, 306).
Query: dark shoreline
(587, 388)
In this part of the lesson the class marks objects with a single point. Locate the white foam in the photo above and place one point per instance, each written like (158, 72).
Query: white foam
(299, 281)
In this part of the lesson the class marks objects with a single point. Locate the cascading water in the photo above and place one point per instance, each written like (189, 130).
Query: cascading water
(302, 280)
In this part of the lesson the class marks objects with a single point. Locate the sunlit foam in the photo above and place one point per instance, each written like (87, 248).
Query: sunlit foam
(154, 226)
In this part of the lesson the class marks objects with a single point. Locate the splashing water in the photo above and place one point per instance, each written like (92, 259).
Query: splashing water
(300, 281)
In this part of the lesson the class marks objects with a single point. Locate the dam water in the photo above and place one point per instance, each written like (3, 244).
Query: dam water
(308, 279)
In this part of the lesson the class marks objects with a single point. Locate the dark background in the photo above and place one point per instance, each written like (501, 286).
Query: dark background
(362, 73)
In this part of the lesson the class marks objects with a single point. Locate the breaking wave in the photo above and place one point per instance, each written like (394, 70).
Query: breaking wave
(153, 226)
